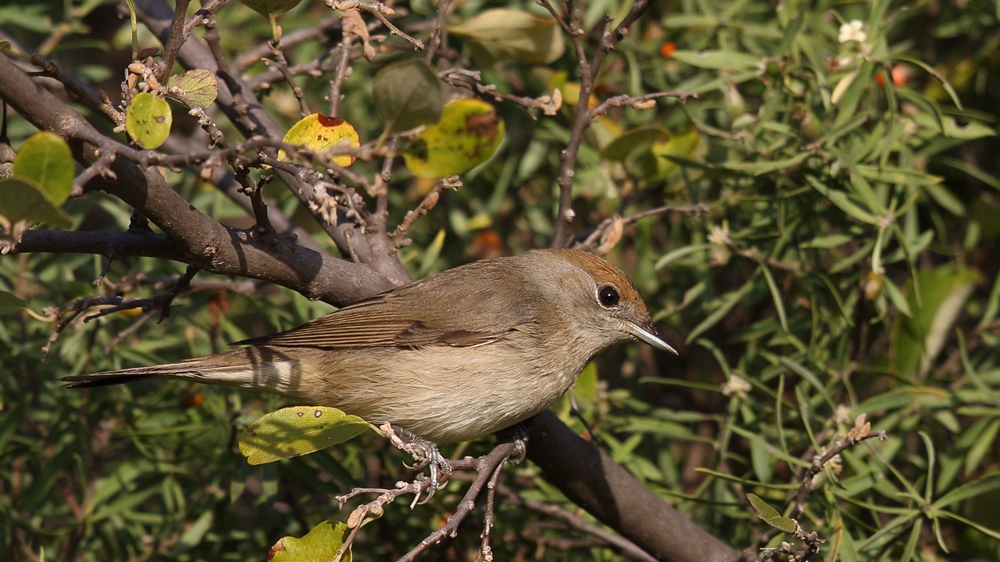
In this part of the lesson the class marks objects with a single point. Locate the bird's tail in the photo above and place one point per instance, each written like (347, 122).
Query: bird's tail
(250, 367)
(184, 370)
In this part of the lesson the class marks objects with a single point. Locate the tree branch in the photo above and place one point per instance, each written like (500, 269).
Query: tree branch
(590, 479)
(198, 238)
(235, 98)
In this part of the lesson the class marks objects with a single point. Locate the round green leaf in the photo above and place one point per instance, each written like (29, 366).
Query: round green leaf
(45, 160)
(148, 120)
(467, 135)
(319, 545)
(407, 94)
(22, 199)
(297, 431)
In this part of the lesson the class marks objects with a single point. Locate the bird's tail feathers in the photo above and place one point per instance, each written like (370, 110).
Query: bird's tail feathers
(242, 368)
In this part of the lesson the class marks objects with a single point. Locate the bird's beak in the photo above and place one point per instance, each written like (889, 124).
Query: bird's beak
(649, 336)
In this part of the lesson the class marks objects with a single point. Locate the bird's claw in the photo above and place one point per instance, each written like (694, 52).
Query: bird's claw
(425, 455)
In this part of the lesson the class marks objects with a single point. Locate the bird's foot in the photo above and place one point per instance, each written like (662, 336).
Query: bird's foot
(425, 454)
(518, 435)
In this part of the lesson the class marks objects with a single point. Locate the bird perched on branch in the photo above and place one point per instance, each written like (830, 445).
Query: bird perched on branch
(458, 355)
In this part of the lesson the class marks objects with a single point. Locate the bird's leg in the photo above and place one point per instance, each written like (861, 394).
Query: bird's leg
(518, 435)
(425, 455)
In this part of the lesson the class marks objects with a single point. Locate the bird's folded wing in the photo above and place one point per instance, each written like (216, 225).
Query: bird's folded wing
(379, 323)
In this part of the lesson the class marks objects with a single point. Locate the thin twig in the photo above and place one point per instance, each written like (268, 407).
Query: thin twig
(425, 205)
(487, 465)
(178, 35)
(859, 433)
(624, 545)
(440, 36)
(380, 11)
(281, 63)
(588, 238)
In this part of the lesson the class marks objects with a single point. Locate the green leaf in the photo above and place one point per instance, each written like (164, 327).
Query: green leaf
(770, 515)
(844, 201)
(983, 445)
(270, 8)
(467, 135)
(896, 297)
(200, 86)
(920, 337)
(764, 167)
(674, 255)
(717, 60)
(9, 303)
(725, 304)
(848, 102)
(779, 305)
(900, 176)
(629, 142)
(503, 33)
(407, 94)
(827, 241)
(981, 487)
(297, 431)
(319, 545)
(760, 458)
(972, 130)
(148, 120)
(46, 161)
(23, 200)
(194, 534)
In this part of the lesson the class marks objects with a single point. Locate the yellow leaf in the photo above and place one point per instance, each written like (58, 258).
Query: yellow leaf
(320, 133)
(467, 135)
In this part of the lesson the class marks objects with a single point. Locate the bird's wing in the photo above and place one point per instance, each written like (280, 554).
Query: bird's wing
(396, 319)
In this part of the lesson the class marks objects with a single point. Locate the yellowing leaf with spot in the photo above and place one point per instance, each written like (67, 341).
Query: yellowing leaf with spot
(320, 133)
(319, 545)
(467, 135)
(297, 431)
(148, 120)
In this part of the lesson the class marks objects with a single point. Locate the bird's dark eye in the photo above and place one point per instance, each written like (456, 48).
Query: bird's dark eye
(608, 296)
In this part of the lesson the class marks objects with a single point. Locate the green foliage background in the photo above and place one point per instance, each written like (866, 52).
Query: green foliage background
(847, 263)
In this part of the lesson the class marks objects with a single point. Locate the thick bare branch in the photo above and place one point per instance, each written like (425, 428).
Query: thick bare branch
(198, 238)
(608, 492)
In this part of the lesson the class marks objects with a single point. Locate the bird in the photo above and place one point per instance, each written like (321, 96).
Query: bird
(452, 357)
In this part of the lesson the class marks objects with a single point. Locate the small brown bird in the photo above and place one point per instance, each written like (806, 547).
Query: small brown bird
(458, 355)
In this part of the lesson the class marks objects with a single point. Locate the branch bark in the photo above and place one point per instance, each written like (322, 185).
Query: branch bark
(236, 99)
(198, 239)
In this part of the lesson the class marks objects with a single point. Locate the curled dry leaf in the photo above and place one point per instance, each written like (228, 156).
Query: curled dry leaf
(610, 236)
(860, 430)
(354, 24)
